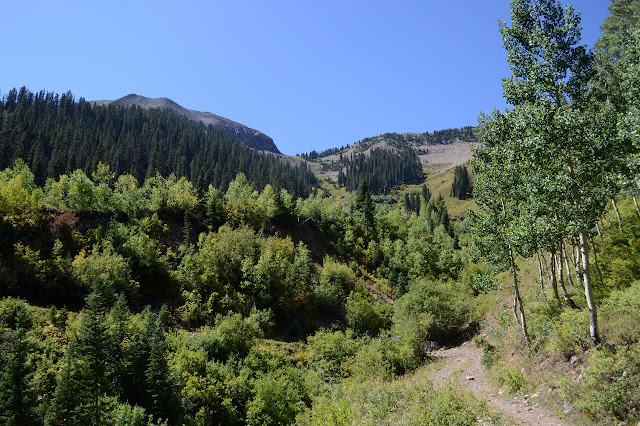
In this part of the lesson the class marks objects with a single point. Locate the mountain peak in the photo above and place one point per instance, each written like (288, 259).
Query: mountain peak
(250, 137)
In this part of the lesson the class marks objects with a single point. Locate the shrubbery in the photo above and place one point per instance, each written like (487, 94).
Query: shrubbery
(432, 311)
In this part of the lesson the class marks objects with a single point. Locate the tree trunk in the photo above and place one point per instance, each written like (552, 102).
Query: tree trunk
(566, 263)
(635, 201)
(518, 299)
(615, 207)
(554, 281)
(565, 295)
(599, 231)
(541, 272)
(593, 316)
(579, 274)
(595, 259)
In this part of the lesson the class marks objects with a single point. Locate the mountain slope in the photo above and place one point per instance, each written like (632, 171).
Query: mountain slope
(440, 150)
(56, 135)
(250, 137)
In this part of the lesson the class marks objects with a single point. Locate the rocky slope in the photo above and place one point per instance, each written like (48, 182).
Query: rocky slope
(244, 134)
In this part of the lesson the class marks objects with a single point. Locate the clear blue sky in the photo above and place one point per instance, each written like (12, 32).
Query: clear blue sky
(312, 75)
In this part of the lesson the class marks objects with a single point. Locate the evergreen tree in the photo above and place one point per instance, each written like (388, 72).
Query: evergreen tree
(617, 35)
(120, 317)
(461, 187)
(160, 389)
(407, 202)
(365, 206)
(382, 169)
(415, 203)
(426, 193)
(136, 361)
(17, 398)
(86, 375)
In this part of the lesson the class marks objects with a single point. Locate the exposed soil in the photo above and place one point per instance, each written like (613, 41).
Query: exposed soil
(462, 367)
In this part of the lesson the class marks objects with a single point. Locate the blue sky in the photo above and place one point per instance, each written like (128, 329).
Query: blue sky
(312, 75)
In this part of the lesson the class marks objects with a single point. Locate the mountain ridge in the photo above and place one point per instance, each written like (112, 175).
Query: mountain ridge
(250, 137)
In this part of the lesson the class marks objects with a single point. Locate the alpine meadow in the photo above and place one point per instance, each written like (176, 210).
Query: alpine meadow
(166, 266)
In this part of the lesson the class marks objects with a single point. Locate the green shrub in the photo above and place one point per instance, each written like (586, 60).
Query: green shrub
(451, 407)
(328, 351)
(395, 403)
(336, 281)
(372, 362)
(278, 397)
(571, 334)
(510, 376)
(620, 315)
(611, 384)
(364, 315)
(488, 351)
(232, 335)
(126, 415)
(15, 314)
(432, 311)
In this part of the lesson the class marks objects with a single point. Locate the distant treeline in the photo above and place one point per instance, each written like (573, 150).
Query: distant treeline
(55, 134)
(447, 136)
(313, 155)
(382, 170)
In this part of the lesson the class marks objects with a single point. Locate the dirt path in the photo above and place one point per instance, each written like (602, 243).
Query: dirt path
(462, 366)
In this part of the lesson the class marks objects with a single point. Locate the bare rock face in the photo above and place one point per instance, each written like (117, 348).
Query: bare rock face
(242, 133)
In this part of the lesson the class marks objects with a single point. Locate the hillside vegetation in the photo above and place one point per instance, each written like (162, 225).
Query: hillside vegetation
(57, 134)
(390, 160)
(208, 306)
(158, 297)
(250, 137)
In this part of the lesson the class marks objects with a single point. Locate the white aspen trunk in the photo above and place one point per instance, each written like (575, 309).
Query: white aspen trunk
(518, 299)
(615, 208)
(599, 231)
(593, 316)
(595, 259)
(565, 295)
(540, 270)
(635, 201)
(554, 281)
(566, 263)
(578, 267)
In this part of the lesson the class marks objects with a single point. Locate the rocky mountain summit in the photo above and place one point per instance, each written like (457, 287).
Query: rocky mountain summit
(244, 134)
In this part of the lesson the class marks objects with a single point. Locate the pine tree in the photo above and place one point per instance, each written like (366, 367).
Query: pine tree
(160, 389)
(86, 375)
(365, 206)
(17, 398)
(426, 193)
(461, 186)
(136, 361)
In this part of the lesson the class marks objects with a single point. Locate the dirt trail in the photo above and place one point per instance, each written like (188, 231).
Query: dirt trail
(463, 367)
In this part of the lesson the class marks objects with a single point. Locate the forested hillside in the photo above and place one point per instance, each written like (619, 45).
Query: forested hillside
(136, 297)
(250, 137)
(203, 306)
(391, 160)
(418, 141)
(56, 134)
